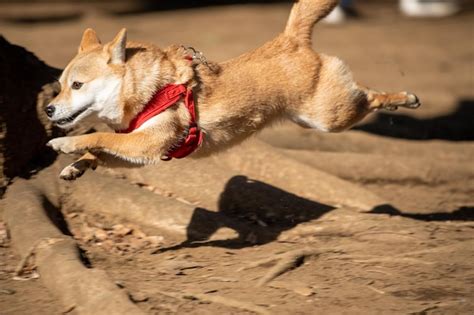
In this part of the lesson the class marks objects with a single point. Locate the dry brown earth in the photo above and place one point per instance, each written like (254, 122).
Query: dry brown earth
(378, 219)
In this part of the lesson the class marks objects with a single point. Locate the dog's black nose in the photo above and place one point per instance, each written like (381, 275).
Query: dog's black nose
(49, 110)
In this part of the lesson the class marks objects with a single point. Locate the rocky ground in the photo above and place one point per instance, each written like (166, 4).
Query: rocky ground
(378, 219)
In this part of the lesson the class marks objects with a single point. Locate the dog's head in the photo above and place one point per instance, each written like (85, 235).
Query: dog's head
(91, 82)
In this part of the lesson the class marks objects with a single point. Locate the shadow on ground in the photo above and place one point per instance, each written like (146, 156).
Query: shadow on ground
(260, 212)
(23, 132)
(145, 6)
(462, 214)
(457, 126)
(257, 211)
(43, 19)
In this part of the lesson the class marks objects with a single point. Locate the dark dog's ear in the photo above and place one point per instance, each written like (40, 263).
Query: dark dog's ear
(89, 40)
(116, 48)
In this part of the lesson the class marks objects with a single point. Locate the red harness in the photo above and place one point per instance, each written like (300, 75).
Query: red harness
(161, 101)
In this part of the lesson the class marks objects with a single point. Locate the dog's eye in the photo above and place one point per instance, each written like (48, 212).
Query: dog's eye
(76, 85)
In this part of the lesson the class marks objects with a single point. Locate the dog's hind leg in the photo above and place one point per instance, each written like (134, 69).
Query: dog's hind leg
(339, 102)
(346, 109)
(390, 101)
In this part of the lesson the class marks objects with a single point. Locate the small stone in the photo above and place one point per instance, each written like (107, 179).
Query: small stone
(223, 279)
(185, 256)
(137, 233)
(108, 245)
(123, 247)
(7, 291)
(86, 233)
(304, 291)
(100, 235)
(138, 297)
(211, 291)
(121, 230)
(190, 297)
(295, 286)
(155, 240)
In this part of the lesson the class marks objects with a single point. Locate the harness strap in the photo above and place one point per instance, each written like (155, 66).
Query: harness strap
(161, 101)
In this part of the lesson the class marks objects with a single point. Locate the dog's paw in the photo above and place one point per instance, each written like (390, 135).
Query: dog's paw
(412, 101)
(71, 172)
(63, 144)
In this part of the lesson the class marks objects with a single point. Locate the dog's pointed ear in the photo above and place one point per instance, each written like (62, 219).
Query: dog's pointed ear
(117, 47)
(89, 40)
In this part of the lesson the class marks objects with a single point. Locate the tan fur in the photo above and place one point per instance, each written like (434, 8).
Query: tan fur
(284, 78)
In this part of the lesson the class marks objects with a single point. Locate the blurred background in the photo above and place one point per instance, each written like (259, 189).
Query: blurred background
(384, 48)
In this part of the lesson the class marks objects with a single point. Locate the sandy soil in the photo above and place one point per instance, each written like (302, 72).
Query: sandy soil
(414, 255)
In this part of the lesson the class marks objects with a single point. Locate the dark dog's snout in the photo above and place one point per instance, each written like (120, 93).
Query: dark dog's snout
(49, 110)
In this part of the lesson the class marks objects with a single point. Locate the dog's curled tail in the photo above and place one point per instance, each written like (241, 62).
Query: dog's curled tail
(303, 16)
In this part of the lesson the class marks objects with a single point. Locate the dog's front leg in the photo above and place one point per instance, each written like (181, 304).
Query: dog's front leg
(135, 147)
(76, 169)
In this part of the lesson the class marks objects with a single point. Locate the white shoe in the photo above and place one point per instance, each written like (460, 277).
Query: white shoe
(337, 16)
(429, 8)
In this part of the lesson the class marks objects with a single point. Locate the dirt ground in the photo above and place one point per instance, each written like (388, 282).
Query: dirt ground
(414, 254)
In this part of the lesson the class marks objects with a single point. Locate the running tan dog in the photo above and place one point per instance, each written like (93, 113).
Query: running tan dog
(207, 106)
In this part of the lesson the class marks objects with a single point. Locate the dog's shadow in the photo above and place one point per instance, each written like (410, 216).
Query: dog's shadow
(256, 211)
(465, 213)
(456, 126)
(259, 213)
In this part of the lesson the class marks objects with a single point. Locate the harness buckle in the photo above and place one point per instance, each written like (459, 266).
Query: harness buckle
(195, 54)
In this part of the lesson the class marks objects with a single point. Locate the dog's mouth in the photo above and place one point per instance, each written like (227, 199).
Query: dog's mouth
(70, 119)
